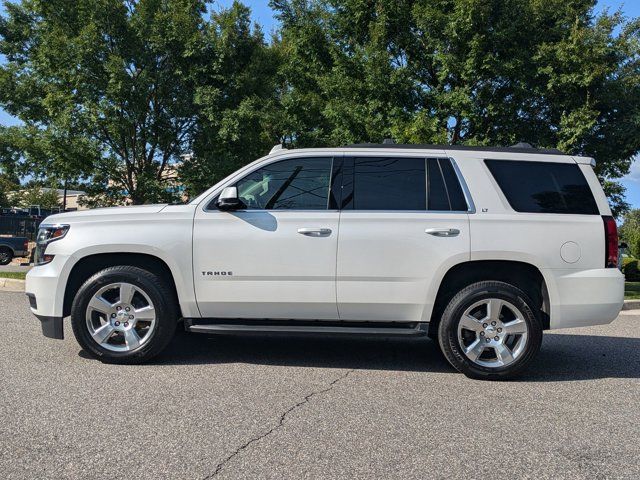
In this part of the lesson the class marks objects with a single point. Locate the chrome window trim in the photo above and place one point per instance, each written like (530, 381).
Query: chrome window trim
(471, 207)
(272, 211)
(463, 184)
(237, 178)
(465, 212)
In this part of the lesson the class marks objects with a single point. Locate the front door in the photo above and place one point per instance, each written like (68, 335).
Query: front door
(276, 259)
(403, 220)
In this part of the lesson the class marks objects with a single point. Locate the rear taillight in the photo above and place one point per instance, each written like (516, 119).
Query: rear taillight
(26, 245)
(610, 242)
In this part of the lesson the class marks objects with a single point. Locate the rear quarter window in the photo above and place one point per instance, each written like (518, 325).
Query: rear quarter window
(543, 187)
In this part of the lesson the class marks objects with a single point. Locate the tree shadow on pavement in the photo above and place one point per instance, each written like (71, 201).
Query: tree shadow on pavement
(564, 357)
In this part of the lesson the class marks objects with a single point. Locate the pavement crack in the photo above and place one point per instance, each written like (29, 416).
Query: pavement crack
(276, 427)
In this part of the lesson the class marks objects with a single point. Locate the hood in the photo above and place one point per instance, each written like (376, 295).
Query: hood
(105, 213)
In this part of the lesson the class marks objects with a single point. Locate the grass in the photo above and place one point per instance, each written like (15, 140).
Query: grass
(632, 290)
(17, 275)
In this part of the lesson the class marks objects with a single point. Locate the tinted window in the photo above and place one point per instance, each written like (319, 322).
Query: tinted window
(445, 192)
(298, 183)
(438, 197)
(388, 184)
(456, 196)
(543, 187)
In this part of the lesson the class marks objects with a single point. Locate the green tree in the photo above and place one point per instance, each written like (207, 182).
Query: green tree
(477, 72)
(629, 231)
(237, 99)
(6, 187)
(35, 195)
(9, 179)
(108, 84)
(47, 155)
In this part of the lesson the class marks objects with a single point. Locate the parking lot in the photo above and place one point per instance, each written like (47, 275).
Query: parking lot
(301, 407)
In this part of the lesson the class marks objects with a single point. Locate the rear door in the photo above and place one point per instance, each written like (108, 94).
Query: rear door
(404, 221)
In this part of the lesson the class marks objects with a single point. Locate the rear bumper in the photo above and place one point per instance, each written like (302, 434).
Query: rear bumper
(587, 297)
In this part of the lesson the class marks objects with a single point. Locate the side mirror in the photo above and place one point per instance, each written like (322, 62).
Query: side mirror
(228, 200)
(623, 245)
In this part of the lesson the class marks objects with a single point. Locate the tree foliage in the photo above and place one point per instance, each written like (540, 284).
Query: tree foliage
(6, 186)
(476, 72)
(237, 99)
(117, 90)
(113, 77)
(629, 231)
(35, 195)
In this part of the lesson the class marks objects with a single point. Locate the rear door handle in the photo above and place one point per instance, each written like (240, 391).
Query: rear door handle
(315, 232)
(443, 232)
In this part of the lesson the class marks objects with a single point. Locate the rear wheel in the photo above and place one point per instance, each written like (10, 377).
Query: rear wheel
(124, 314)
(6, 255)
(489, 330)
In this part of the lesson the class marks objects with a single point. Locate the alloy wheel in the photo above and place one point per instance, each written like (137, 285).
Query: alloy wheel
(120, 317)
(493, 333)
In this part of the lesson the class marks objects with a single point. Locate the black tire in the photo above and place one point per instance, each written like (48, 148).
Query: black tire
(155, 287)
(6, 255)
(448, 329)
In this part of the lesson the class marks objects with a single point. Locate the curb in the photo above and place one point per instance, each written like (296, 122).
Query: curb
(631, 305)
(11, 285)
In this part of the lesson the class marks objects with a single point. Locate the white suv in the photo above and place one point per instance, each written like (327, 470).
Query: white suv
(479, 248)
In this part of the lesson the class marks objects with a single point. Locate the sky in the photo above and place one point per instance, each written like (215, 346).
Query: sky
(263, 15)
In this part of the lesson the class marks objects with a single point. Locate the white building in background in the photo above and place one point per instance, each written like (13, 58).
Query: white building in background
(73, 199)
(69, 202)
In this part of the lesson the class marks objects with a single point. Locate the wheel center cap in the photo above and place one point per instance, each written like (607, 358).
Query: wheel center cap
(490, 331)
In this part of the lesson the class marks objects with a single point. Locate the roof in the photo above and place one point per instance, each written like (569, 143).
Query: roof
(60, 191)
(518, 148)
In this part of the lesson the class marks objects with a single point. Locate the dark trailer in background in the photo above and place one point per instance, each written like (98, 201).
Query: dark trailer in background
(23, 222)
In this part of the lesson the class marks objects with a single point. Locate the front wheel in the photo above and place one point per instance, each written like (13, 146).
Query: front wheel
(489, 330)
(6, 255)
(124, 315)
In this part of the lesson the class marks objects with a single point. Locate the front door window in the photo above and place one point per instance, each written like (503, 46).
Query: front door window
(294, 184)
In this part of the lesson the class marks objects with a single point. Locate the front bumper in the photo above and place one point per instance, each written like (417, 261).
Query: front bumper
(45, 290)
(51, 327)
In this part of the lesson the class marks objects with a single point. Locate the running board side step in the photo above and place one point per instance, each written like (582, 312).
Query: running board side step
(306, 327)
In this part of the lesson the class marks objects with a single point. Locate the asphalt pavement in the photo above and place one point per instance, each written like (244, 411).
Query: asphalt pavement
(309, 407)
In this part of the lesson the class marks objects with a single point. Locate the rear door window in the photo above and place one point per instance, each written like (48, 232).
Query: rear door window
(445, 192)
(397, 183)
(387, 183)
(543, 187)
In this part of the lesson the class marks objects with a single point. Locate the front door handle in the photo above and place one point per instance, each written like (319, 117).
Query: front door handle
(315, 232)
(443, 232)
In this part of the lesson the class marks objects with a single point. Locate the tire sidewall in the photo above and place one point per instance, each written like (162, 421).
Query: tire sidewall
(448, 329)
(165, 312)
(9, 256)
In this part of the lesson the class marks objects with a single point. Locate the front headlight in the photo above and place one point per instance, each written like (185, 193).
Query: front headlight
(46, 235)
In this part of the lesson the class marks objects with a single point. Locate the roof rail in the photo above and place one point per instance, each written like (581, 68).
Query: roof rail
(521, 145)
(518, 148)
(277, 148)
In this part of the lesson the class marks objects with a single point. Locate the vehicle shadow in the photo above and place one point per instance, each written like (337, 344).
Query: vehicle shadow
(564, 357)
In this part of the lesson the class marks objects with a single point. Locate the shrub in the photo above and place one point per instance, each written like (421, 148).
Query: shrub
(631, 270)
